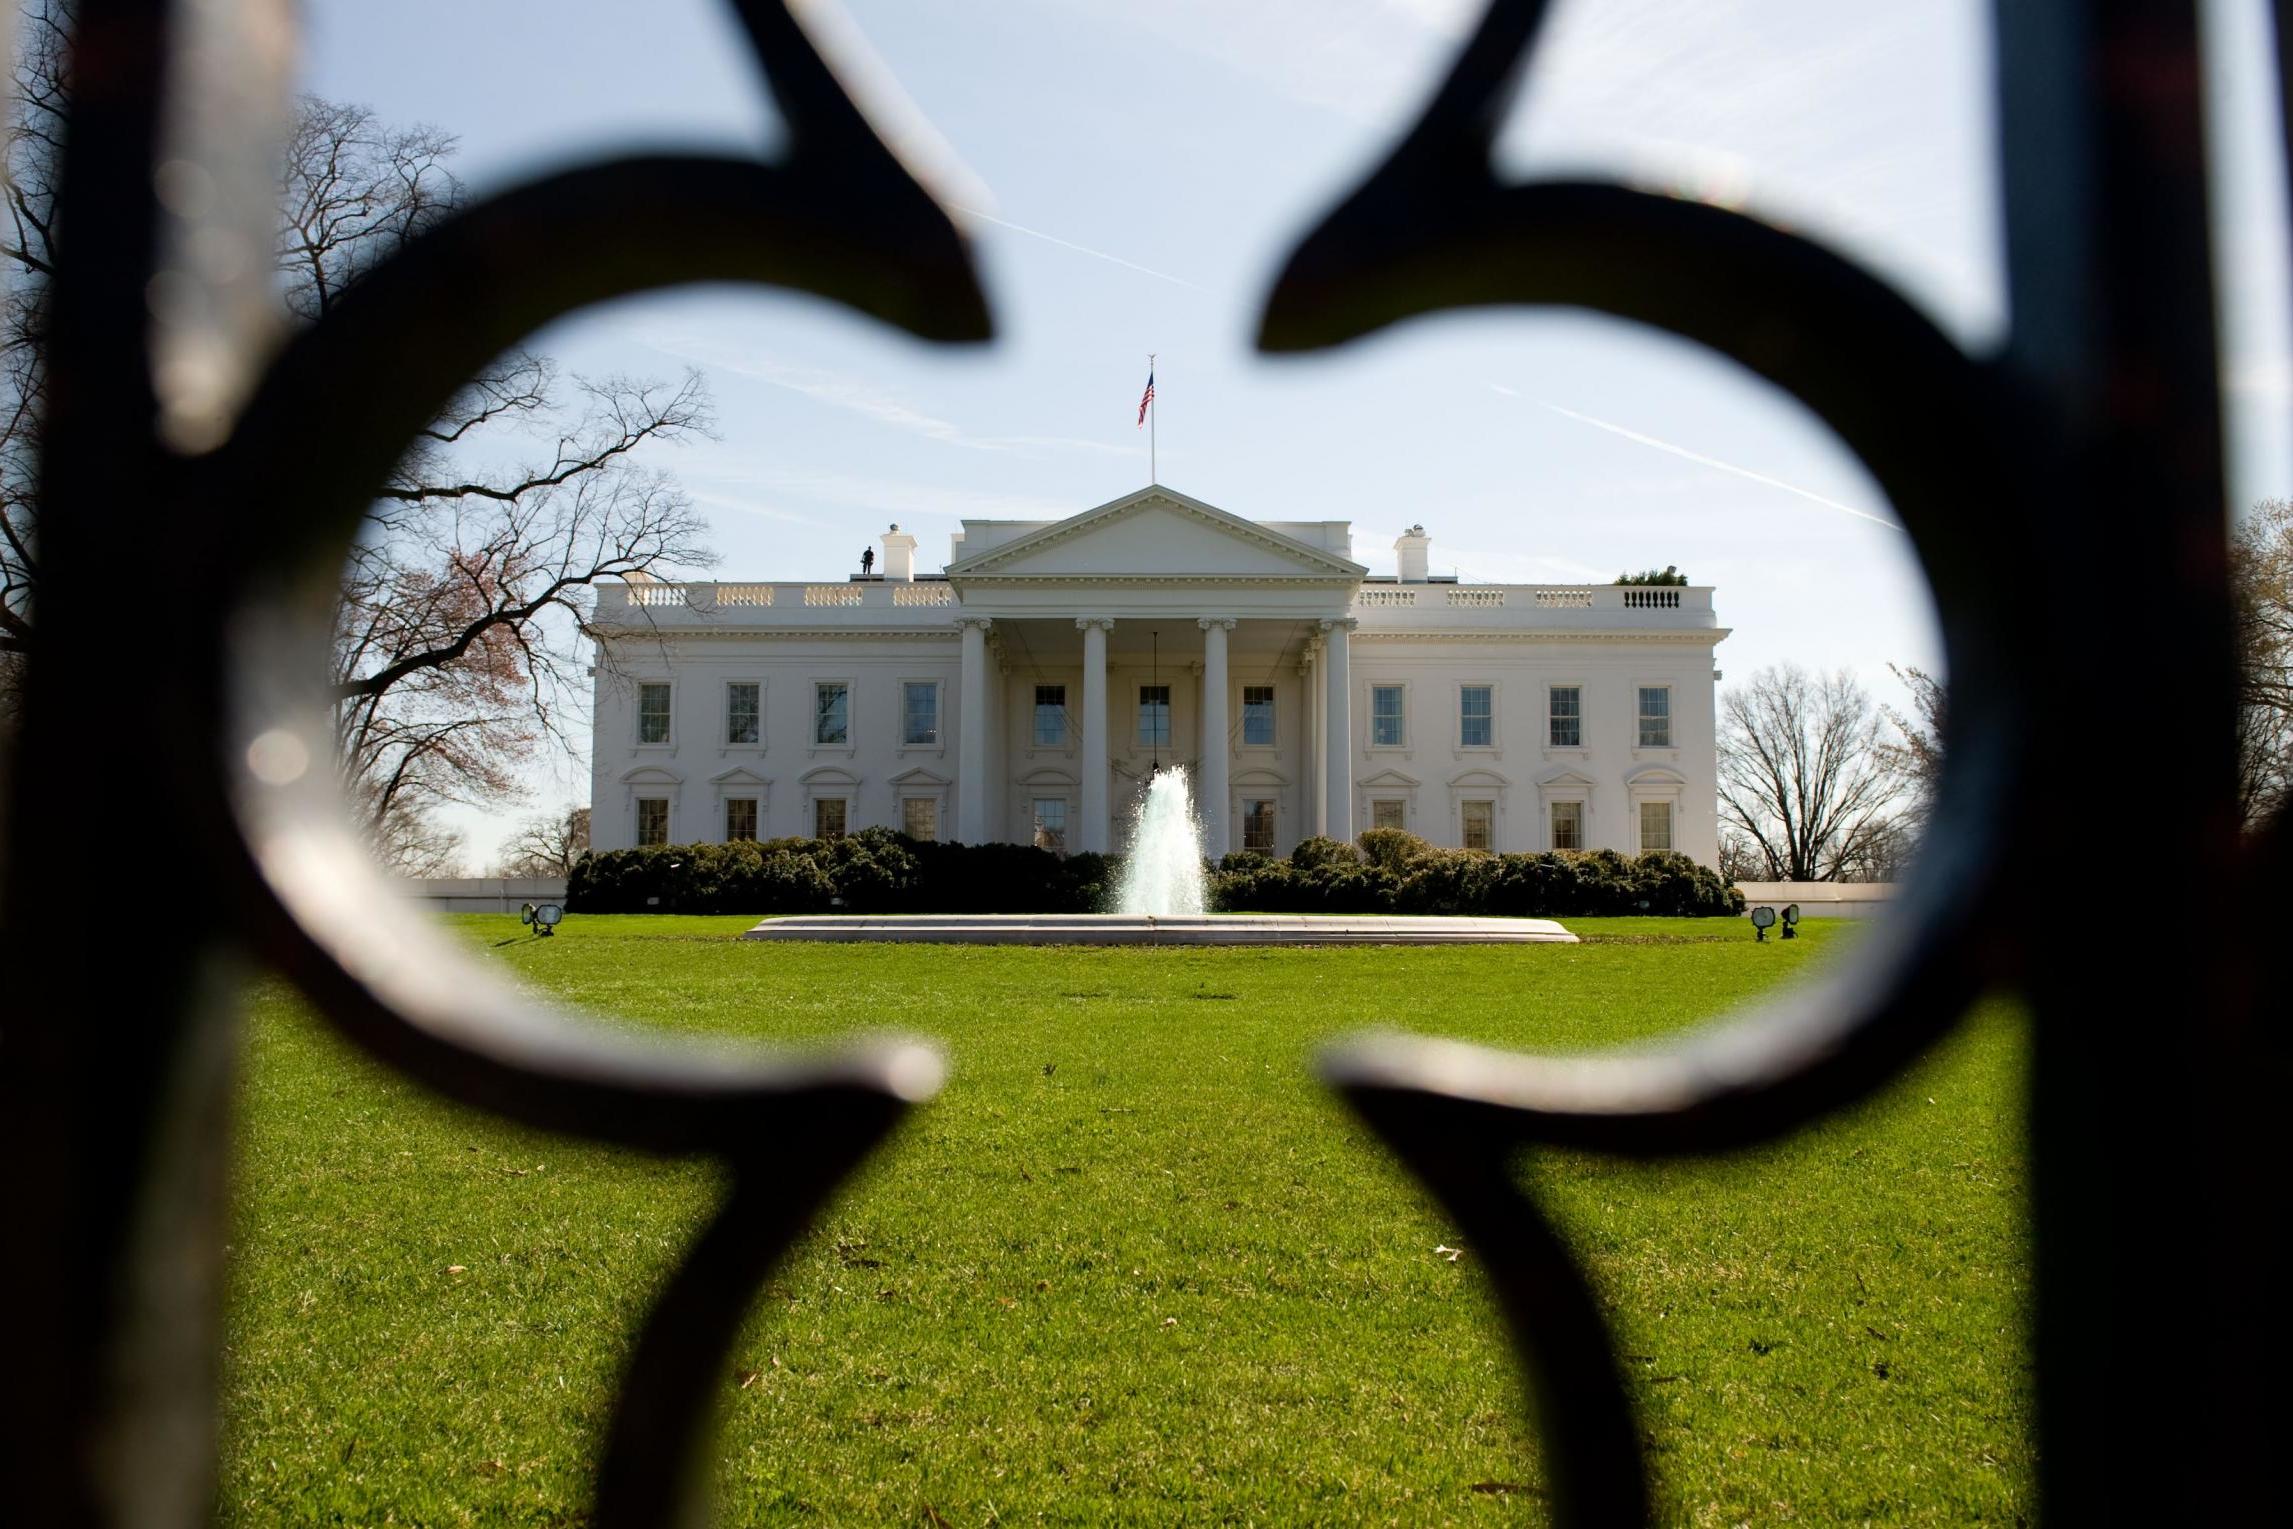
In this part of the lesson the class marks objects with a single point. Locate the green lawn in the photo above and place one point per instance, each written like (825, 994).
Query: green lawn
(1134, 1265)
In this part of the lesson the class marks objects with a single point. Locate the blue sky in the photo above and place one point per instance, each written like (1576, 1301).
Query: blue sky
(1140, 171)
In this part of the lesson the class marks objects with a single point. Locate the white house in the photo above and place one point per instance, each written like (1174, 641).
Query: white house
(1026, 693)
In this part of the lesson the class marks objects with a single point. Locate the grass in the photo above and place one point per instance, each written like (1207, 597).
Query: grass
(1134, 1265)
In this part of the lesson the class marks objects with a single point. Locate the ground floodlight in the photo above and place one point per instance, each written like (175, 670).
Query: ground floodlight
(1762, 920)
(525, 913)
(546, 918)
(1791, 921)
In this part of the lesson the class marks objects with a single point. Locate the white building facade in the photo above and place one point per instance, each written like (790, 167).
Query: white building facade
(1026, 693)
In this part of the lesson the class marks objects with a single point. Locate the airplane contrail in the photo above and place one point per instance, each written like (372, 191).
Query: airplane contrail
(1080, 249)
(1713, 462)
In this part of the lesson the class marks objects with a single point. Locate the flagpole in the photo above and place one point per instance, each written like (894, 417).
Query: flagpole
(1153, 474)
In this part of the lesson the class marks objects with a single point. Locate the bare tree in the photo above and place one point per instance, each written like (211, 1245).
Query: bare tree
(1803, 778)
(1916, 750)
(548, 845)
(2261, 580)
(458, 644)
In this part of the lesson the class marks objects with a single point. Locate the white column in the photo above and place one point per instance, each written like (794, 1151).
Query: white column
(1338, 738)
(1092, 834)
(1314, 773)
(1217, 811)
(971, 735)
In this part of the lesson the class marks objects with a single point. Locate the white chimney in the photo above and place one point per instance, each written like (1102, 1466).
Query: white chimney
(899, 555)
(1409, 551)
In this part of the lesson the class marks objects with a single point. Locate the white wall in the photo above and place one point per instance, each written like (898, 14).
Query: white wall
(1432, 771)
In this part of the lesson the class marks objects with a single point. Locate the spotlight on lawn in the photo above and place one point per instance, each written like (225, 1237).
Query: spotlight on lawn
(1763, 919)
(542, 917)
(1791, 921)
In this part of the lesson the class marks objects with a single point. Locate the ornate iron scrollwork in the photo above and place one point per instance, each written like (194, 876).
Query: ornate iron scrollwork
(2090, 440)
(1964, 448)
(278, 500)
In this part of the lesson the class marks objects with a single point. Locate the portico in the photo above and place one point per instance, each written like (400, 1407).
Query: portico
(1173, 607)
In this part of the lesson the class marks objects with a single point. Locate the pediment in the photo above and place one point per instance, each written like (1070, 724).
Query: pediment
(919, 776)
(829, 775)
(1047, 777)
(1389, 778)
(1655, 775)
(1562, 775)
(1155, 533)
(651, 775)
(738, 776)
(1478, 778)
(1260, 776)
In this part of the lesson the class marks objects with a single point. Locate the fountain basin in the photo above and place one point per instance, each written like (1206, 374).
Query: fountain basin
(1160, 929)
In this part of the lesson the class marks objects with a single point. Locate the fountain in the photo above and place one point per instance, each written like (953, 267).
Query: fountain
(1162, 878)
(1160, 901)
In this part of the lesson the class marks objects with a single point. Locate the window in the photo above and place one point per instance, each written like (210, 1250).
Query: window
(1386, 812)
(1655, 826)
(919, 711)
(1154, 716)
(1566, 718)
(652, 819)
(1655, 716)
(1385, 718)
(828, 817)
(1480, 820)
(652, 713)
(831, 712)
(1258, 826)
(919, 817)
(743, 714)
(1050, 716)
(1476, 716)
(740, 819)
(1051, 824)
(1257, 716)
(1568, 825)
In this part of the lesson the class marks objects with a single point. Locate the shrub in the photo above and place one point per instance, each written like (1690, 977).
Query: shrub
(1474, 882)
(1391, 848)
(1321, 851)
(872, 871)
(1448, 881)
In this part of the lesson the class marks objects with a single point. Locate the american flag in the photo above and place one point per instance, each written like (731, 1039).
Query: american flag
(1147, 399)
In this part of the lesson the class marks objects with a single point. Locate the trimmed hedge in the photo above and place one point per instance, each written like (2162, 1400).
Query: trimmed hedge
(872, 871)
(879, 871)
(1397, 872)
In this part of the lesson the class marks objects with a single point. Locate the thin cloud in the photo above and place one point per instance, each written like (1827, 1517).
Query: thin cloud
(1712, 462)
(1080, 249)
(856, 396)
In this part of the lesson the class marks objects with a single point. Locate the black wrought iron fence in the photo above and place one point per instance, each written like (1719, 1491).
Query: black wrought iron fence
(177, 438)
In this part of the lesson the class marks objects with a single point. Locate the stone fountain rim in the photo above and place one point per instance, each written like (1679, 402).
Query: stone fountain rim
(1160, 929)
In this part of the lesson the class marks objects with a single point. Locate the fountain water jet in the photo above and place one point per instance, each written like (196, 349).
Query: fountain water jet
(1162, 877)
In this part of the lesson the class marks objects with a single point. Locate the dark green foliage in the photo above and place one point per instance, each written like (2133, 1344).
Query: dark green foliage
(1391, 849)
(872, 871)
(1321, 851)
(1403, 874)
(1666, 575)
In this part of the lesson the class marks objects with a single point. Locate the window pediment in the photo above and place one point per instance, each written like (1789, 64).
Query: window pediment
(651, 775)
(829, 775)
